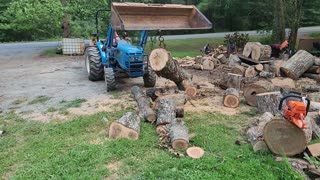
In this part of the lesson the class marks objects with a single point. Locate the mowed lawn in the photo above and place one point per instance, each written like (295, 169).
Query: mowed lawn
(80, 149)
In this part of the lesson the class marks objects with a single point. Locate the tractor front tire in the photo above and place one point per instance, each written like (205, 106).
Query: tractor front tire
(94, 65)
(109, 79)
(149, 78)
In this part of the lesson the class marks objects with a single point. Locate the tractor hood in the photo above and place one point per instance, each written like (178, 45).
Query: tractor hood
(141, 16)
(126, 47)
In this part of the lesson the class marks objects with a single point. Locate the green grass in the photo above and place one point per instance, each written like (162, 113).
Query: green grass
(80, 149)
(73, 104)
(50, 53)
(39, 99)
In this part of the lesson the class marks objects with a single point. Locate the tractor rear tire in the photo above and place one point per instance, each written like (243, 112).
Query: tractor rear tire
(94, 65)
(149, 78)
(109, 79)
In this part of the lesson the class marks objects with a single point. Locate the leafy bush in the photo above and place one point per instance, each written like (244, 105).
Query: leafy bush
(240, 39)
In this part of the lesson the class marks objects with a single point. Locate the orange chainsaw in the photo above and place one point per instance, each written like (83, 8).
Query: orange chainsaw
(295, 108)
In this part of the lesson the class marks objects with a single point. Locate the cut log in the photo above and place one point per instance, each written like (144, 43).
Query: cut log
(314, 96)
(195, 152)
(286, 83)
(234, 81)
(154, 93)
(238, 70)
(314, 149)
(179, 136)
(145, 110)
(165, 66)
(250, 72)
(248, 49)
(187, 87)
(166, 112)
(234, 60)
(268, 102)
(197, 66)
(284, 138)
(128, 126)
(244, 65)
(314, 70)
(231, 98)
(275, 67)
(260, 52)
(179, 112)
(223, 59)
(297, 64)
(267, 75)
(208, 65)
(266, 67)
(312, 76)
(251, 90)
(308, 130)
(314, 118)
(179, 99)
(311, 88)
(259, 67)
(255, 133)
(314, 106)
(317, 61)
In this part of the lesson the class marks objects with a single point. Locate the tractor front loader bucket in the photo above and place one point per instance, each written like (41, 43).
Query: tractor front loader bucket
(140, 16)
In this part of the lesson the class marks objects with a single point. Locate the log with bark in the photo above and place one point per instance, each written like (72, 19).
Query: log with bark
(250, 72)
(179, 99)
(231, 98)
(284, 138)
(314, 96)
(297, 64)
(275, 67)
(154, 93)
(260, 52)
(312, 76)
(266, 67)
(259, 67)
(234, 60)
(266, 74)
(255, 133)
(314, 70)
(165, 66)
(145, 110)
(238, 70)
(311, 88)
(128, 126)
(222, 58)
(268, 102)
(234, 81)
(166, 113)
(179, 136)
(251, 90)
(317, 61)
(314, 106)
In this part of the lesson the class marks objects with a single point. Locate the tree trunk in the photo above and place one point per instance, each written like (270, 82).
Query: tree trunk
(250, 72)
(145, 110)
(314, 70)
(279, 21)
(268, 102)
(234, 81)
(231, 98)
(251, 90)
(166, 112)
(128, 126)
(255, 133)
(179, 135)
(312, 76)
(284, 138)
(297, 64)
(294, 22)
(267, 75)
(238, 70)
(165, 66)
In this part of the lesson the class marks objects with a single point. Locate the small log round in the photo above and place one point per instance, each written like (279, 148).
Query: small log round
(128, 126)
(297, 64)
(248, 49)
(179, 136)
(250, 72)
(266, 67)
(195, 152)
(238, 70)
(267, 75)
(275, 67)
(179, 99)
(234, 60)
(208, 65)
(234, 81)
(186, 86)
(231, 98)
(259, 67)
(222, 58)
(268, 102)
(145, 110)
(166, 112)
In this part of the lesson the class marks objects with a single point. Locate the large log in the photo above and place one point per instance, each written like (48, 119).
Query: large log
(259, 67)
(179, 136)
(166, 112)
(255, 133)
(165, 66)
(231, 98)
(251, 90)
(311, 88)
(284, 138)
(314, 70)
(297, 64)
(145, 110)
(234, 81)
(268, 102)
(128, 126)
(248, 49)
(312, 76)
(260, 52)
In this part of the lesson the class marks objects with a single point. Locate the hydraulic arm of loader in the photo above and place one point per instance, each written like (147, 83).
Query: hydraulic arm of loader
(140, 16)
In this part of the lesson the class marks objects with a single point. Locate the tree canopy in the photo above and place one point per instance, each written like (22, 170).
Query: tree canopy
(42, 19)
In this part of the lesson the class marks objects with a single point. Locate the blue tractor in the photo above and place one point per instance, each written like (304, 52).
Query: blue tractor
(109, 58)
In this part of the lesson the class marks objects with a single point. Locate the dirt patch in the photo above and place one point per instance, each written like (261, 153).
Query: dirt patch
(114, 167)
(13, 169)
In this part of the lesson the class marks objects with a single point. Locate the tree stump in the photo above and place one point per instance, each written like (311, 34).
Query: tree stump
(166, 112)
(312, 76)
(223, 59)
(251, 90)
(314, 70)
(250, 72)
(238, 70)
(128, 126)
(297, 64)
(145, 110)
(268, 102)
(231, 98)
(234, 81)
(284, 138)
(165, 66)
(179, 135)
